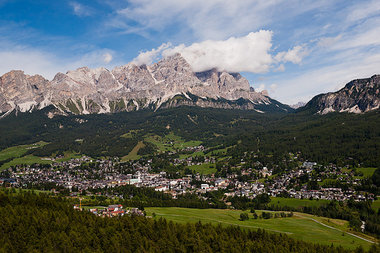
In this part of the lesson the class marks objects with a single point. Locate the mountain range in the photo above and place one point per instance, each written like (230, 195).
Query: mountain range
(360, 95)
(170, 82)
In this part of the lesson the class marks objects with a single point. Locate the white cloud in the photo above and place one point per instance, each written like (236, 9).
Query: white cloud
(30, 61)
(363, 10)
(273, 88)
(327, 42)
(38, 61)
(281, 68)
(107, 58)
(80, 9)
(211, 19)
(353, 35)
(93, 59)
(147, 57)
(250, 53)
(302, 87)
(260, 88)
(294, 55)
(367, 38)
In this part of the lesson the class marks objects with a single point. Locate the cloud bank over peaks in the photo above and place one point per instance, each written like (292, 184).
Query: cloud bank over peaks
(107, 57)
(250, 53)
(148, 57)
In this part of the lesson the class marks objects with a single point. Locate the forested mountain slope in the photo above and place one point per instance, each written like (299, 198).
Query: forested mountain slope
(345, 137)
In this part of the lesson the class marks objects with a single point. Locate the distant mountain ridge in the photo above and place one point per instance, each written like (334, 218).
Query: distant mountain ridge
(170, 82)
(167, 83)
(298, 105)
(358, 96)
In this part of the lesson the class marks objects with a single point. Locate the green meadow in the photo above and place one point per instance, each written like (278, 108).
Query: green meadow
(18, 155)
(18, 151)
(204, 168)
(297, 203)
(300, 226)
(367, 172)
(28, 160)
(376, 205)
(170, 142)
(130, 134)
(133, 154)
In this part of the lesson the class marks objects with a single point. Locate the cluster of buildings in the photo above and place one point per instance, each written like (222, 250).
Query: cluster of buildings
(81, 174)
(113, 211)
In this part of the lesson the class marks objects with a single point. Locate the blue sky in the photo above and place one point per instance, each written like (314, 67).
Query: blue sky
(293, 48)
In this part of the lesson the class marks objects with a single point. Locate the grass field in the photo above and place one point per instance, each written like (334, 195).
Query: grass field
(205, 168)
(28, 159)
(17, 155)
(376, 204)
(93, 207)
(367, 172)
(31, 159)
(130, 134)
(221, 151)
(18, 151)
(327, 181)
(296, 203)
(300, 226)
(133, 154)
(170, 142)
(69, 155)
(18, 190)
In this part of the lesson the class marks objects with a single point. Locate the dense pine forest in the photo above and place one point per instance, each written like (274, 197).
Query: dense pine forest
(40, 223)
(340, 138)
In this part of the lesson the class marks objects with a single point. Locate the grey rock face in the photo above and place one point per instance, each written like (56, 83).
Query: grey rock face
(298, 105)
(358, 96)
(133, 78)
(227, 85)
(127, 88)
(22, 92)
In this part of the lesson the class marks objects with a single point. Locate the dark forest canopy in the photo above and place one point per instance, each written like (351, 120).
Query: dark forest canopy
(35, 223)
(335, 137)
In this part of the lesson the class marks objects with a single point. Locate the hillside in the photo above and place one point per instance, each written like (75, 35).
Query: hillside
(361, 95)
(336, 137)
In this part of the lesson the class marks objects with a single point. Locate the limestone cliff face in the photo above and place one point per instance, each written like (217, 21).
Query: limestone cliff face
(22, 92)
(358, 96)
(231, 86)
(129, 87)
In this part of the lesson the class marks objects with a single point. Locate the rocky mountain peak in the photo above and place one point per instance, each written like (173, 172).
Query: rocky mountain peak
(21, 91)
(264, 93)
(173, 69)
(298, 105)
(357, 96)
(128, 87)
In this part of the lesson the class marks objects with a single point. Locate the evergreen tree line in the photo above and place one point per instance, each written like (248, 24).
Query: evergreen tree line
(41, 223)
